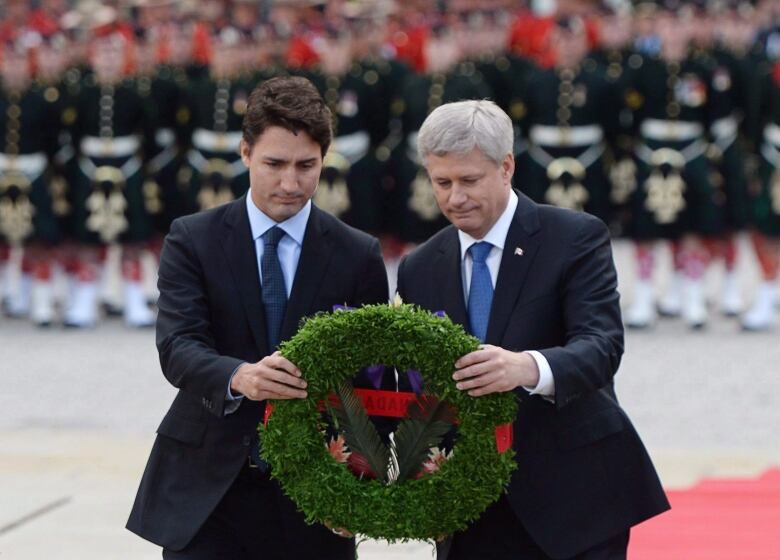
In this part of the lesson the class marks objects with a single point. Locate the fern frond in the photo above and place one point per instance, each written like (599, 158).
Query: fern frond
(359, 432)
(429, 421)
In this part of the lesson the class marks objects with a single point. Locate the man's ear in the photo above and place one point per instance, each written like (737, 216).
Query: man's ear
(508, 168)
(245, 152)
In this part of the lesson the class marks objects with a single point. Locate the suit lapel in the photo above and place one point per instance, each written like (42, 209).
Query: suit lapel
(312, 265)
(241, 256)
(449, 282)
(514, 267)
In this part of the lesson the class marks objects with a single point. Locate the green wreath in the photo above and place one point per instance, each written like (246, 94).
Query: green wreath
(329, 348)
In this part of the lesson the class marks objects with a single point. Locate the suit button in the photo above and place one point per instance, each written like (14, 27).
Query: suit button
(246, 440)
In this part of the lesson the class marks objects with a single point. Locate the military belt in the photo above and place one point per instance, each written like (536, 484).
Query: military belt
(411, 148)
(110, 147)
(64, 154)
(772, 134)
(585, 159)
(30, 165)
(220, 142)
(352, 146)
(566, 136)
(128, 168)
(166, 139)
(725, 128)
(203, 164)
(670, 131)
(678, 158)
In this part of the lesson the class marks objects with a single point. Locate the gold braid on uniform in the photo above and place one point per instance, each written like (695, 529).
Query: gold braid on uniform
(573, 195)
(332, 193)
(107, 203)
(216, 190)
(665, 186)
(16, 209)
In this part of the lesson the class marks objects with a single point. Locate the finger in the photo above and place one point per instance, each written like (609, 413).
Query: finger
(474, 357)
(277, 361)
(281, 390)
(486, 390)
(282, 377)
(475, 382)
(473, 370)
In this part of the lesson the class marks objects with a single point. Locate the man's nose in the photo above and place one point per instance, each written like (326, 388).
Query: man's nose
(457, 195)
(289, 179)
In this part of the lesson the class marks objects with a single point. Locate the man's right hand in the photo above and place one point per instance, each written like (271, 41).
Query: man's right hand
(273, 377)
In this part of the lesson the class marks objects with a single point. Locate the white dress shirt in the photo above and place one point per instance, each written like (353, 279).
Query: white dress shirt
(289, 248)
(497, 237)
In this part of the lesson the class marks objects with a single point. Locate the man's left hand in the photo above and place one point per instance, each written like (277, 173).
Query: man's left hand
(492, 369)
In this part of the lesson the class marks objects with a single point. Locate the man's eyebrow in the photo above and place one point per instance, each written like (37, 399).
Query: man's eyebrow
(272, 159)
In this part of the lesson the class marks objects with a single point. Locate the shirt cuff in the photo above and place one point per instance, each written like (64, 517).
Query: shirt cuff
(232, 401)
(546, 385)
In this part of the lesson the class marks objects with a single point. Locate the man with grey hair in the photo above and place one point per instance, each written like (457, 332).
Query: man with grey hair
(537, 285)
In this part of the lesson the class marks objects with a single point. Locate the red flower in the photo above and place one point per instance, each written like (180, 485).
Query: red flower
(436, 458)
(776, 73)
(358, 464)
(338, 449)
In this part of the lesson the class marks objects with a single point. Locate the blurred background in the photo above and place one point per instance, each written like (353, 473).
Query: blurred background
(661, 118)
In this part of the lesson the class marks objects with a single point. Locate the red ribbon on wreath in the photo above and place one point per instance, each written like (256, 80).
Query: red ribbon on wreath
(394, 404)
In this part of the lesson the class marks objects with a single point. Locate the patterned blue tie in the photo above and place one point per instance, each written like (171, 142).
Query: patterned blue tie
(275, 303)
(481, 290)
(274, 291)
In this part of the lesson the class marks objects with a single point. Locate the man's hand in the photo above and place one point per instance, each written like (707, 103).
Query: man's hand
(492, 369)
(273, 377)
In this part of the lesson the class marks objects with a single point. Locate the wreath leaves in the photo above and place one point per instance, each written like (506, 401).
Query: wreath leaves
(329, 348)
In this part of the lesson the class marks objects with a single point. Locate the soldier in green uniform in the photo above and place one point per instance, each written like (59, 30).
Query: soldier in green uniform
(485, 37)
(59, 86)
(730, 69)
(28, 136)
(617, 59)
(351, 181)
(570, 112)
(446, 79)
(764, 120)
(385, 77)
(110, 133)
(673, 101)
(162, 88)
(214, 173)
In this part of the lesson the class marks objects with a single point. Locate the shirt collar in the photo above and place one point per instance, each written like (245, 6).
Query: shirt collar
(295, 226)
(497, 234)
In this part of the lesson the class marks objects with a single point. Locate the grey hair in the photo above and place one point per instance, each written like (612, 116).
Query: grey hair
(458, 128)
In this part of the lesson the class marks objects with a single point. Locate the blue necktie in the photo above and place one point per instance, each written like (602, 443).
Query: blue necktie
(480, 291)
(274, 291)
(275, 304)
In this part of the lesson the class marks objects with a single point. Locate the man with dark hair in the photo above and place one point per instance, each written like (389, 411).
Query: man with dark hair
(234, 282)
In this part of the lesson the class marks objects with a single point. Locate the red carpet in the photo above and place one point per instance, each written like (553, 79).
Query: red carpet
(720, 519)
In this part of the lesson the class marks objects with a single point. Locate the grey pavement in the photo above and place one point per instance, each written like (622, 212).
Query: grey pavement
(78, 412)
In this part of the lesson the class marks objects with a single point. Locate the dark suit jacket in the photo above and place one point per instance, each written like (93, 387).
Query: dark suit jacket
(211, 320)
(583, 474)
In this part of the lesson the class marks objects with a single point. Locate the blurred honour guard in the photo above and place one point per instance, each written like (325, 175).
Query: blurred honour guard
(111, 207)
(28, 221)
(672, 100)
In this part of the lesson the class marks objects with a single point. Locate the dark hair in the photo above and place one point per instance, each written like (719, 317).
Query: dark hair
(292, 103)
